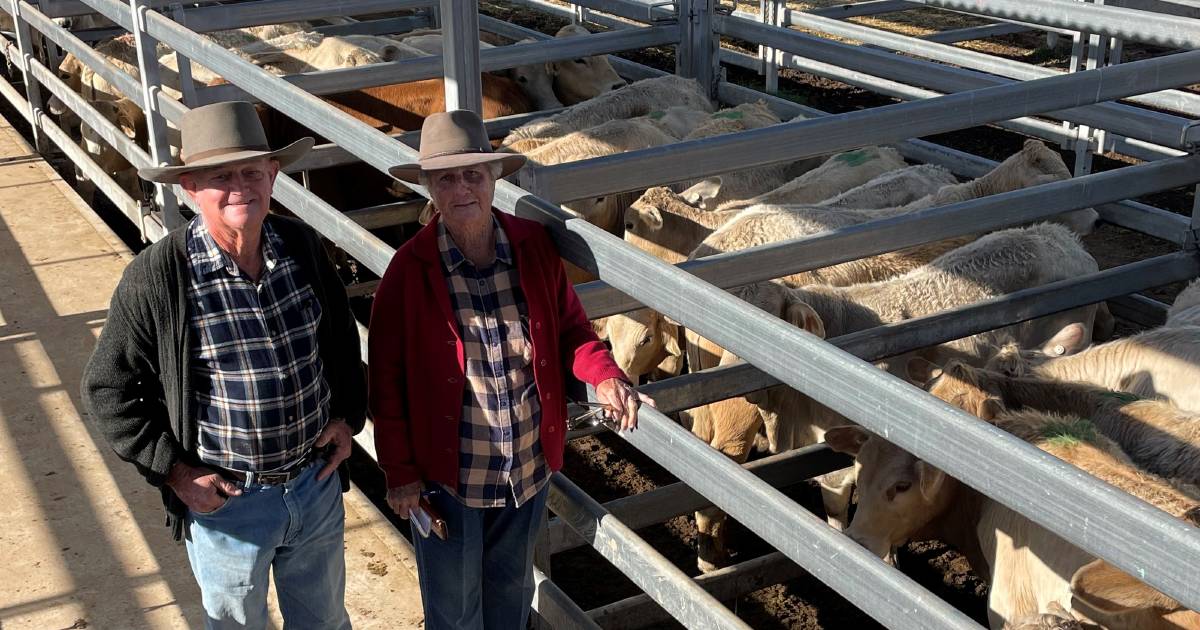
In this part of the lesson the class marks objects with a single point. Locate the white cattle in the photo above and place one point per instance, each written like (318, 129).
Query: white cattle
(582, 78)
(1160, 363)
(1186, 309)
(636, 99)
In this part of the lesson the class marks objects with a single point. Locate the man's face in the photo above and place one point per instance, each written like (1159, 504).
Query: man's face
(463, 194)
(233, 197)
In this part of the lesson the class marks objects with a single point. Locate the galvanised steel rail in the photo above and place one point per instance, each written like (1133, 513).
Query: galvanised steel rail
(498, 58)
(796, 140)
(972, 216)
(1170, 31)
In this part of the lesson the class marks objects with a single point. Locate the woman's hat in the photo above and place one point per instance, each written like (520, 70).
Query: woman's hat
(221, 134)
(453, 140)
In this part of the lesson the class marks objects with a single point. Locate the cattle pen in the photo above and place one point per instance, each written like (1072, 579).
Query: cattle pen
(1101, 105)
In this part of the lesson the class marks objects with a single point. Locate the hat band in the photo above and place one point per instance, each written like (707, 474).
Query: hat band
(224, 150)
(455, 152)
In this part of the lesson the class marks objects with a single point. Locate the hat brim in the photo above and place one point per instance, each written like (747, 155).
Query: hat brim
(509, 163)
(171, 174)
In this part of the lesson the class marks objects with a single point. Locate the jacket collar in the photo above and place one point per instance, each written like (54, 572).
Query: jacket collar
(425, 243)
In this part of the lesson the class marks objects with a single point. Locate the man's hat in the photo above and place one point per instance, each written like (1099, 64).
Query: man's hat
(221, 134)
(453, 140)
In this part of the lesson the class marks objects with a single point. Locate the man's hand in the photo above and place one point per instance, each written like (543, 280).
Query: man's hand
(405, 498)
(201, 489)
(337, 432)
(624, 400)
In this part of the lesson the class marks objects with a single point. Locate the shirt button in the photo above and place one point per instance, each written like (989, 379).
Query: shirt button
(549, 395)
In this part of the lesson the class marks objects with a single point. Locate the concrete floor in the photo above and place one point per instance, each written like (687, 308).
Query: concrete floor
(81, 534)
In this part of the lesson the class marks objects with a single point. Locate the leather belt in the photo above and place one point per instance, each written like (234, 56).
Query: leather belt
(276, 478)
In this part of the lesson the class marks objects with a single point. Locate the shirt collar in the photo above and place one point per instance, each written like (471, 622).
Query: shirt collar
(452, 257)
(206, 258)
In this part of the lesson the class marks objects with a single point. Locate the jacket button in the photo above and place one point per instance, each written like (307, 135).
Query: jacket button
(542, 363)
(537, 325)
(550, 429)
(549, 395)
(451, 380)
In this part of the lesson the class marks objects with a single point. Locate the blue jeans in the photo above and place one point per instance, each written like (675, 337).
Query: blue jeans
(297, 528)
(481, 576)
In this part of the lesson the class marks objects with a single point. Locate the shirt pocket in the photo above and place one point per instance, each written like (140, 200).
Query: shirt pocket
(522, 342)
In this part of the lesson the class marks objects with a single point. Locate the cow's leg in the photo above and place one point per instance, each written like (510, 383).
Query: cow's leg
(730, 427)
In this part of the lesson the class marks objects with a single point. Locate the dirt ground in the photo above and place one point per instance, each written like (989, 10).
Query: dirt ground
(608, 468)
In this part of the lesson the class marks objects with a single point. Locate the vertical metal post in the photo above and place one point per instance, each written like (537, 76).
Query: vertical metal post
(156, 125)
(460, 55)
(1193, 240)
(699, 44)
(541, 560)
(33, 91)
(184, 73)
(771, 12)
(579, 17)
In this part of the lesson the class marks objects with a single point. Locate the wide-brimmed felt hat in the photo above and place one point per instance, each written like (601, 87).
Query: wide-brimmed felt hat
(453, 140)
(222, 134)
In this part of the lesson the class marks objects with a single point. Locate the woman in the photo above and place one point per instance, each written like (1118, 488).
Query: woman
(473, 327)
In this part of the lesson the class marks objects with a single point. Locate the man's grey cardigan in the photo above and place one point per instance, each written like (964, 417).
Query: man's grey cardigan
(136, 387)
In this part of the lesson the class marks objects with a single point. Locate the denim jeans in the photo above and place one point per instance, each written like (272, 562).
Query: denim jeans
(481, 576)
(297, 529)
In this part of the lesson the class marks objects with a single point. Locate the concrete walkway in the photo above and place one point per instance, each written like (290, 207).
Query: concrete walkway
(81, 534)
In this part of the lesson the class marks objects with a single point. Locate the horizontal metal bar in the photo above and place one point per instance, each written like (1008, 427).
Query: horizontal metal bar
(688, 604)
(726, 583)
(667, 502)
(68, 8)
(491, 59)
(365, 247)
(386, 26)
(387, 215)
(925, 226)
(975, 32)
(808, 138)
(859, 9)
(627, 69)
(1139, 309)
(229, 16)
(1146, 219)
(556, 607)
(881, 342)
(1128, 24)
(123, 202)
(326, 155)
(1169, 99)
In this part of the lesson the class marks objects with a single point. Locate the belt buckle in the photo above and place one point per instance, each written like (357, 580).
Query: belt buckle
(273, 479)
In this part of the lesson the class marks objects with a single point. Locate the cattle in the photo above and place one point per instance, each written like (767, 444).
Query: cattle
(1159, 437)
(582, 78)
(993, 265)
(903, 498)
(636, 99)
(1186, 309)
(1161, 363)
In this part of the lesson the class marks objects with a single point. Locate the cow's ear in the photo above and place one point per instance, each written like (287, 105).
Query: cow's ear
(847, 439)
(1071, 339)
(922, 371)
(552, 69)
(931, 480)
(389, 53)
(1111, 591)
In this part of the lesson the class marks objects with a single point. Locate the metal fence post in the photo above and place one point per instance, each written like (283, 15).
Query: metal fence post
(699, 45)
(773, 13)
(156, 125)
(460, 55)
(33, 92)
(184, 65)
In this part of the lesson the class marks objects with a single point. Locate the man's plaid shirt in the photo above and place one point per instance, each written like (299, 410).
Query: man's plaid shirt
(261, 398)
(499, 451)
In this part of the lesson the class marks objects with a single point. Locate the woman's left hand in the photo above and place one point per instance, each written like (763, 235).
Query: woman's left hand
(624, 400)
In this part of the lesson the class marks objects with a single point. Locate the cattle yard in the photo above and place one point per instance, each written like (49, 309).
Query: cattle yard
(1106, 84)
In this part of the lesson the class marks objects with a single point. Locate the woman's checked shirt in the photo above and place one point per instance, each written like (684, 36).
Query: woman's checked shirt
(499, 452)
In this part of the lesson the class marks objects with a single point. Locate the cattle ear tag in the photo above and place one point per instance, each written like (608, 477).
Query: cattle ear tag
(1059, 350)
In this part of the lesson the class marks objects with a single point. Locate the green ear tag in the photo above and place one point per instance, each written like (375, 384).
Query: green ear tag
(656, 114)
(732, 114)
(854, 158)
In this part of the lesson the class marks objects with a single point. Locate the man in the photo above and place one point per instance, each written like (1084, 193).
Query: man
(228, 372)
(473, 329)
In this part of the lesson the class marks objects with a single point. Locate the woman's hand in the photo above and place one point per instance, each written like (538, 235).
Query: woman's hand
(624, 400)
(405, 498)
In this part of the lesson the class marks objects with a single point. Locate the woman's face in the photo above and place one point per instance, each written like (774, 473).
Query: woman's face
(463, 195)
